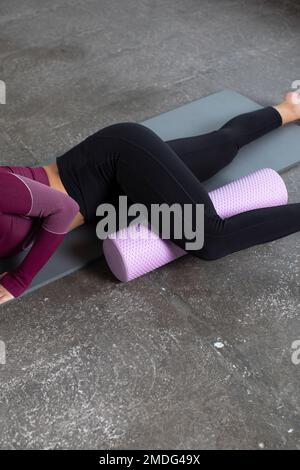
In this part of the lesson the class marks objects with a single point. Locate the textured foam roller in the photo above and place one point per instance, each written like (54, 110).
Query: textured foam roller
(136, 250)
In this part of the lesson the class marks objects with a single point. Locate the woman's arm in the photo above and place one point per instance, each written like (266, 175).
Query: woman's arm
(22, 196)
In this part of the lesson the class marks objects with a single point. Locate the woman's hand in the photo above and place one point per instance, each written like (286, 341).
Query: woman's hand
(5, 296)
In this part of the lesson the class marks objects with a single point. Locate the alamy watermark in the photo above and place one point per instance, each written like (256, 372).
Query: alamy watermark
(296, 352)
(296, 87)
(174, 221)
(2, 353)
(2, 92)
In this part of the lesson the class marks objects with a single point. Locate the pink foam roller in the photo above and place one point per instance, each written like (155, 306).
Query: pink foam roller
(136, 250)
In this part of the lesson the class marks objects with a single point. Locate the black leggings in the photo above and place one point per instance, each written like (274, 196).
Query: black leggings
(129, 158)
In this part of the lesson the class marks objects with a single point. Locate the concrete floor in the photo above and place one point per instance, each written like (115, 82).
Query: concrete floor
(93, 363)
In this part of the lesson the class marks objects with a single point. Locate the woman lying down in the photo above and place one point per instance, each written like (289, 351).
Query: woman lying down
(39, 205)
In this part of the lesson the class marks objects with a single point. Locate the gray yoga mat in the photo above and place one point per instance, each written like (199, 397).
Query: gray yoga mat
(278, 150)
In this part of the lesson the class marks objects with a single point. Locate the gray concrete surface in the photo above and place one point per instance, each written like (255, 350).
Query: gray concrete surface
(93, 363)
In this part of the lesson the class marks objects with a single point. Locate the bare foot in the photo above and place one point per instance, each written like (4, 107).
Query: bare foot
(293, 99)
(289, 109)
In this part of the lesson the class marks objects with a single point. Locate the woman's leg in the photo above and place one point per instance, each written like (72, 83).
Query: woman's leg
(207, 154)
(149, 171)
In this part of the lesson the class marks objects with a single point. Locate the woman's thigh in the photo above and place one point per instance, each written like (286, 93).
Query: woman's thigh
(149, 172)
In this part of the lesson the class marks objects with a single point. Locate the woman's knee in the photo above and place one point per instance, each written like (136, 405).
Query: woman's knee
(127, 129)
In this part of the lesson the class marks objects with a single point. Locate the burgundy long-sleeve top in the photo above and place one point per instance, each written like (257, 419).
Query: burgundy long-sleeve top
(30, 211)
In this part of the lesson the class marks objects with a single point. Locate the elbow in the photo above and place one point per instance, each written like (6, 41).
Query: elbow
(64, 214)
(68, 210)
(71, 206)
